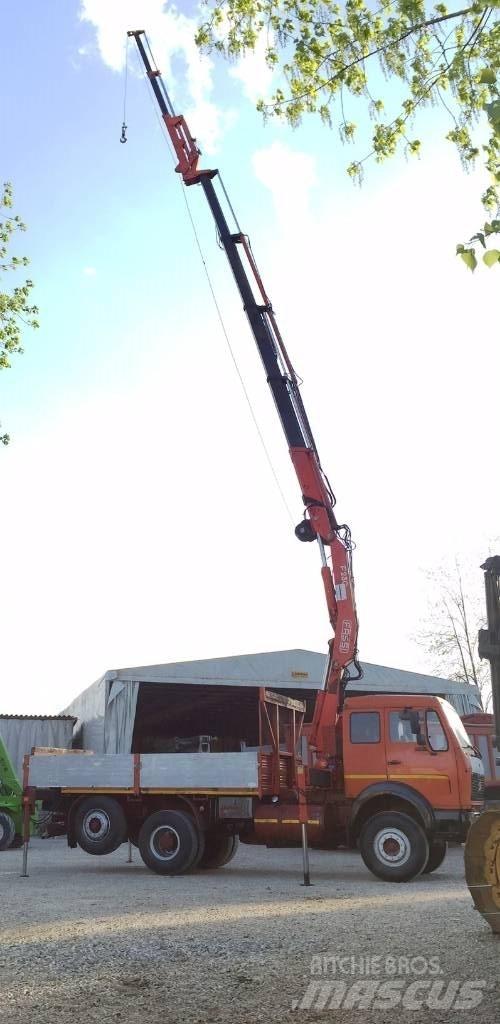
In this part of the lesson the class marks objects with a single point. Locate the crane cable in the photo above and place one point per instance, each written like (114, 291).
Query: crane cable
(221, 318)
(235, 363)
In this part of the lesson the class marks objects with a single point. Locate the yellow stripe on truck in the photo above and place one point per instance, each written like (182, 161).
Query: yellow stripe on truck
(365, 776)
(419, 775)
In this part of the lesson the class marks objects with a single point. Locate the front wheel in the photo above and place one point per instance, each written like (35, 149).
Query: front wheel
(437, 853)
(394, 846)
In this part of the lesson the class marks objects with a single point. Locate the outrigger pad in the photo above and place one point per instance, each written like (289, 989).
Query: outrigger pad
(482, 865)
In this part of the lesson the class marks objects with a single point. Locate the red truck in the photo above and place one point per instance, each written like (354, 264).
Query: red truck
(396, 776)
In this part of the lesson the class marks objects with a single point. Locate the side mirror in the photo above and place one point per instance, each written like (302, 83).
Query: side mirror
(413, 717)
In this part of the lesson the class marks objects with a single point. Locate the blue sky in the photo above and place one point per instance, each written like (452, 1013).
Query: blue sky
(142, 522)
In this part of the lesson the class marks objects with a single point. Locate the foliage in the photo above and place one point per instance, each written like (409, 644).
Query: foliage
(15, 308)
(468, 253)
(329, 54)
(449, 634)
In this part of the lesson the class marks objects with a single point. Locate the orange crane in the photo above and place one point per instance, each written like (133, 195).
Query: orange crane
(320, 522)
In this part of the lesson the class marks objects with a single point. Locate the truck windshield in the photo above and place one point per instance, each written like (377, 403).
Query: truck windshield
(457, 726)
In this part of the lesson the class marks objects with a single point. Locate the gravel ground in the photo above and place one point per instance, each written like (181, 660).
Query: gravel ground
(96, 939)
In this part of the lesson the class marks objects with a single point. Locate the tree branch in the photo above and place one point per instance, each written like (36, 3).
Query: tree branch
(373, 53)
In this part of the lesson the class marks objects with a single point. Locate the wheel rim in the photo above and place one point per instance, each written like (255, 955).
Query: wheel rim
(2, 831)
(392, 847)
(164, 842)
(96, 826)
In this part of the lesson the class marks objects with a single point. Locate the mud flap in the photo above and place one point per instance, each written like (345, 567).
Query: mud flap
(482, 866)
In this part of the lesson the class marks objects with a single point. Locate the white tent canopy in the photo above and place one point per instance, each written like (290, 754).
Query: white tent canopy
(106, 710)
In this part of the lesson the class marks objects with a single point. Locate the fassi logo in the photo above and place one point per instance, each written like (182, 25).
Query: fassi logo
(345, 635)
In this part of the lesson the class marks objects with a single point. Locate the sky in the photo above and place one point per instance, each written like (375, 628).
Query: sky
(140, 520)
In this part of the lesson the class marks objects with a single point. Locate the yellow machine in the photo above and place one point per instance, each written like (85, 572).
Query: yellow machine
(482, 850)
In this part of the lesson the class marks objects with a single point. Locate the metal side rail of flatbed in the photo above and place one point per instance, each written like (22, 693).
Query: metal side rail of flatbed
(231, 774)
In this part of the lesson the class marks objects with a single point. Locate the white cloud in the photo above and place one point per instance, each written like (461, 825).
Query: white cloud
(89, 271)
(253, 73)
(171, 34)
(290, 175)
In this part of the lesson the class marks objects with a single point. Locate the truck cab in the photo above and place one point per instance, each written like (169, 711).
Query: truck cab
(408, 756)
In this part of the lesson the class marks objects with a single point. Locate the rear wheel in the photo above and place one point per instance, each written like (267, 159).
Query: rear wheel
(219, 849)
(7, 830)
(437, 853)
(394, 846)
(100, 825)
(170, 843)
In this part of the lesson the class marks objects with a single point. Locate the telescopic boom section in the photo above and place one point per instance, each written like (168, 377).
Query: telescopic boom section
(319, 521)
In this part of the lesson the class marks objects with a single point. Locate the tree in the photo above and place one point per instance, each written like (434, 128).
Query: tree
(15, 309)
(330, 56)
(449, 633)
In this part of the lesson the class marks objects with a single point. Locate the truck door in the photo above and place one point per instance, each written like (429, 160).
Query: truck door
(364, 750)
(420, 755)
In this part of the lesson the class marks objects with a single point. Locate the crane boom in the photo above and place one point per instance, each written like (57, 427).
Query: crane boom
(319, 522)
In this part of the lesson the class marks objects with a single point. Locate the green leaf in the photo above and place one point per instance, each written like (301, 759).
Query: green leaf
(493, 112)
(491, 257)
(487, 76)
(469, 258)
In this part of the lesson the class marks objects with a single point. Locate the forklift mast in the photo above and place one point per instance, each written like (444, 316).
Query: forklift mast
(319, 522)
(489, 638)
(482, 849)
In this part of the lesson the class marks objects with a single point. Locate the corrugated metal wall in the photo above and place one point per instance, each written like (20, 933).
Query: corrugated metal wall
(21, 734)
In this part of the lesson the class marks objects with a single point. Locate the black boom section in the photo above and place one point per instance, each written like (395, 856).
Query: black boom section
(153, 76)
(279, 383)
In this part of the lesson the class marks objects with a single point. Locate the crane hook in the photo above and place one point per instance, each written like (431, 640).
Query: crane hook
(124, 135)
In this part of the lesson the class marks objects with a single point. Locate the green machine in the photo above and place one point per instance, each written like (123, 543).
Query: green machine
(11, 802)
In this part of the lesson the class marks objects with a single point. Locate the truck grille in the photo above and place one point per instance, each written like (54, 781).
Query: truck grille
(477, 786)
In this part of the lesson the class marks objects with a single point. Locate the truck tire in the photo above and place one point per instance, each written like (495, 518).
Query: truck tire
(99, 825)
(220, 848)
(7, 830)
(170, 842)
(394, 846)
(437, 853)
